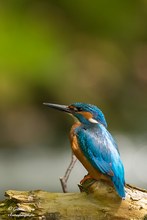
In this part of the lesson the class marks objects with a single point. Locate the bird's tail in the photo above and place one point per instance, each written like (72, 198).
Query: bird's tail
(119, 186)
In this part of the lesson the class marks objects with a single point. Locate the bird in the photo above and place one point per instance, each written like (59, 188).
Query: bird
(93, 145)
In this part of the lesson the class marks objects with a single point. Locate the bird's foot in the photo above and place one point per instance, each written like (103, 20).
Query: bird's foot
(86, 177)
(85, 183)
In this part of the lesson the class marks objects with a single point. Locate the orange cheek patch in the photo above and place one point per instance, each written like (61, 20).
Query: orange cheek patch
(86, 115)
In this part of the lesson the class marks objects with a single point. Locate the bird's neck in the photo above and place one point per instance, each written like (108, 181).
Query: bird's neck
(73, 128)
(87, 126)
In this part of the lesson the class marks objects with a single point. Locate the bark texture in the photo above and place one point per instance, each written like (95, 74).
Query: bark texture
(96, 201)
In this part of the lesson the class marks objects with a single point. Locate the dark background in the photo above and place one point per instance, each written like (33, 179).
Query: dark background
(64, 52)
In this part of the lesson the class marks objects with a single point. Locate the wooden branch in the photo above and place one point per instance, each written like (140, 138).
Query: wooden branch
(64, 179)
(98, 202)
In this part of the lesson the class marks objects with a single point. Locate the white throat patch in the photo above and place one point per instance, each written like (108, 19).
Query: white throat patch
(92, 120)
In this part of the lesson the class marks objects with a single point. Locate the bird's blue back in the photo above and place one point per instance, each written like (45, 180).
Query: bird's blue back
(99, 147)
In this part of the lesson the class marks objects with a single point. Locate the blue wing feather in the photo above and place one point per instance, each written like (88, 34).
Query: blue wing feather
(102, 152)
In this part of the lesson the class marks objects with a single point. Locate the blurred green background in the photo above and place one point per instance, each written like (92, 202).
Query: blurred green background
(64, 52)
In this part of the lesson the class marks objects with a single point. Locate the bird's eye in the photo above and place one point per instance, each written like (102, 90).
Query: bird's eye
(79, 109)
(73, 108)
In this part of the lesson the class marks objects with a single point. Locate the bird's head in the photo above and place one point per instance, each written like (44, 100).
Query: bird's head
(85, 113)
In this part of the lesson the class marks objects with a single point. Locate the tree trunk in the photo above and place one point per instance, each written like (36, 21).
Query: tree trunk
(96, 201)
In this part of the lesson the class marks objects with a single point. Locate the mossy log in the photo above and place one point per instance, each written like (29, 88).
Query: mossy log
(96, 201)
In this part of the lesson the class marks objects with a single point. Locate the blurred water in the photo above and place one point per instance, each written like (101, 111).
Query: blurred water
(33, 168)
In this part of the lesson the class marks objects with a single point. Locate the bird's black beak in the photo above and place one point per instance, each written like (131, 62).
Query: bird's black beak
(63, 108)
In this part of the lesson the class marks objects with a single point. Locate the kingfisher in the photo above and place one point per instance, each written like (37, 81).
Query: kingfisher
(93, 145)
